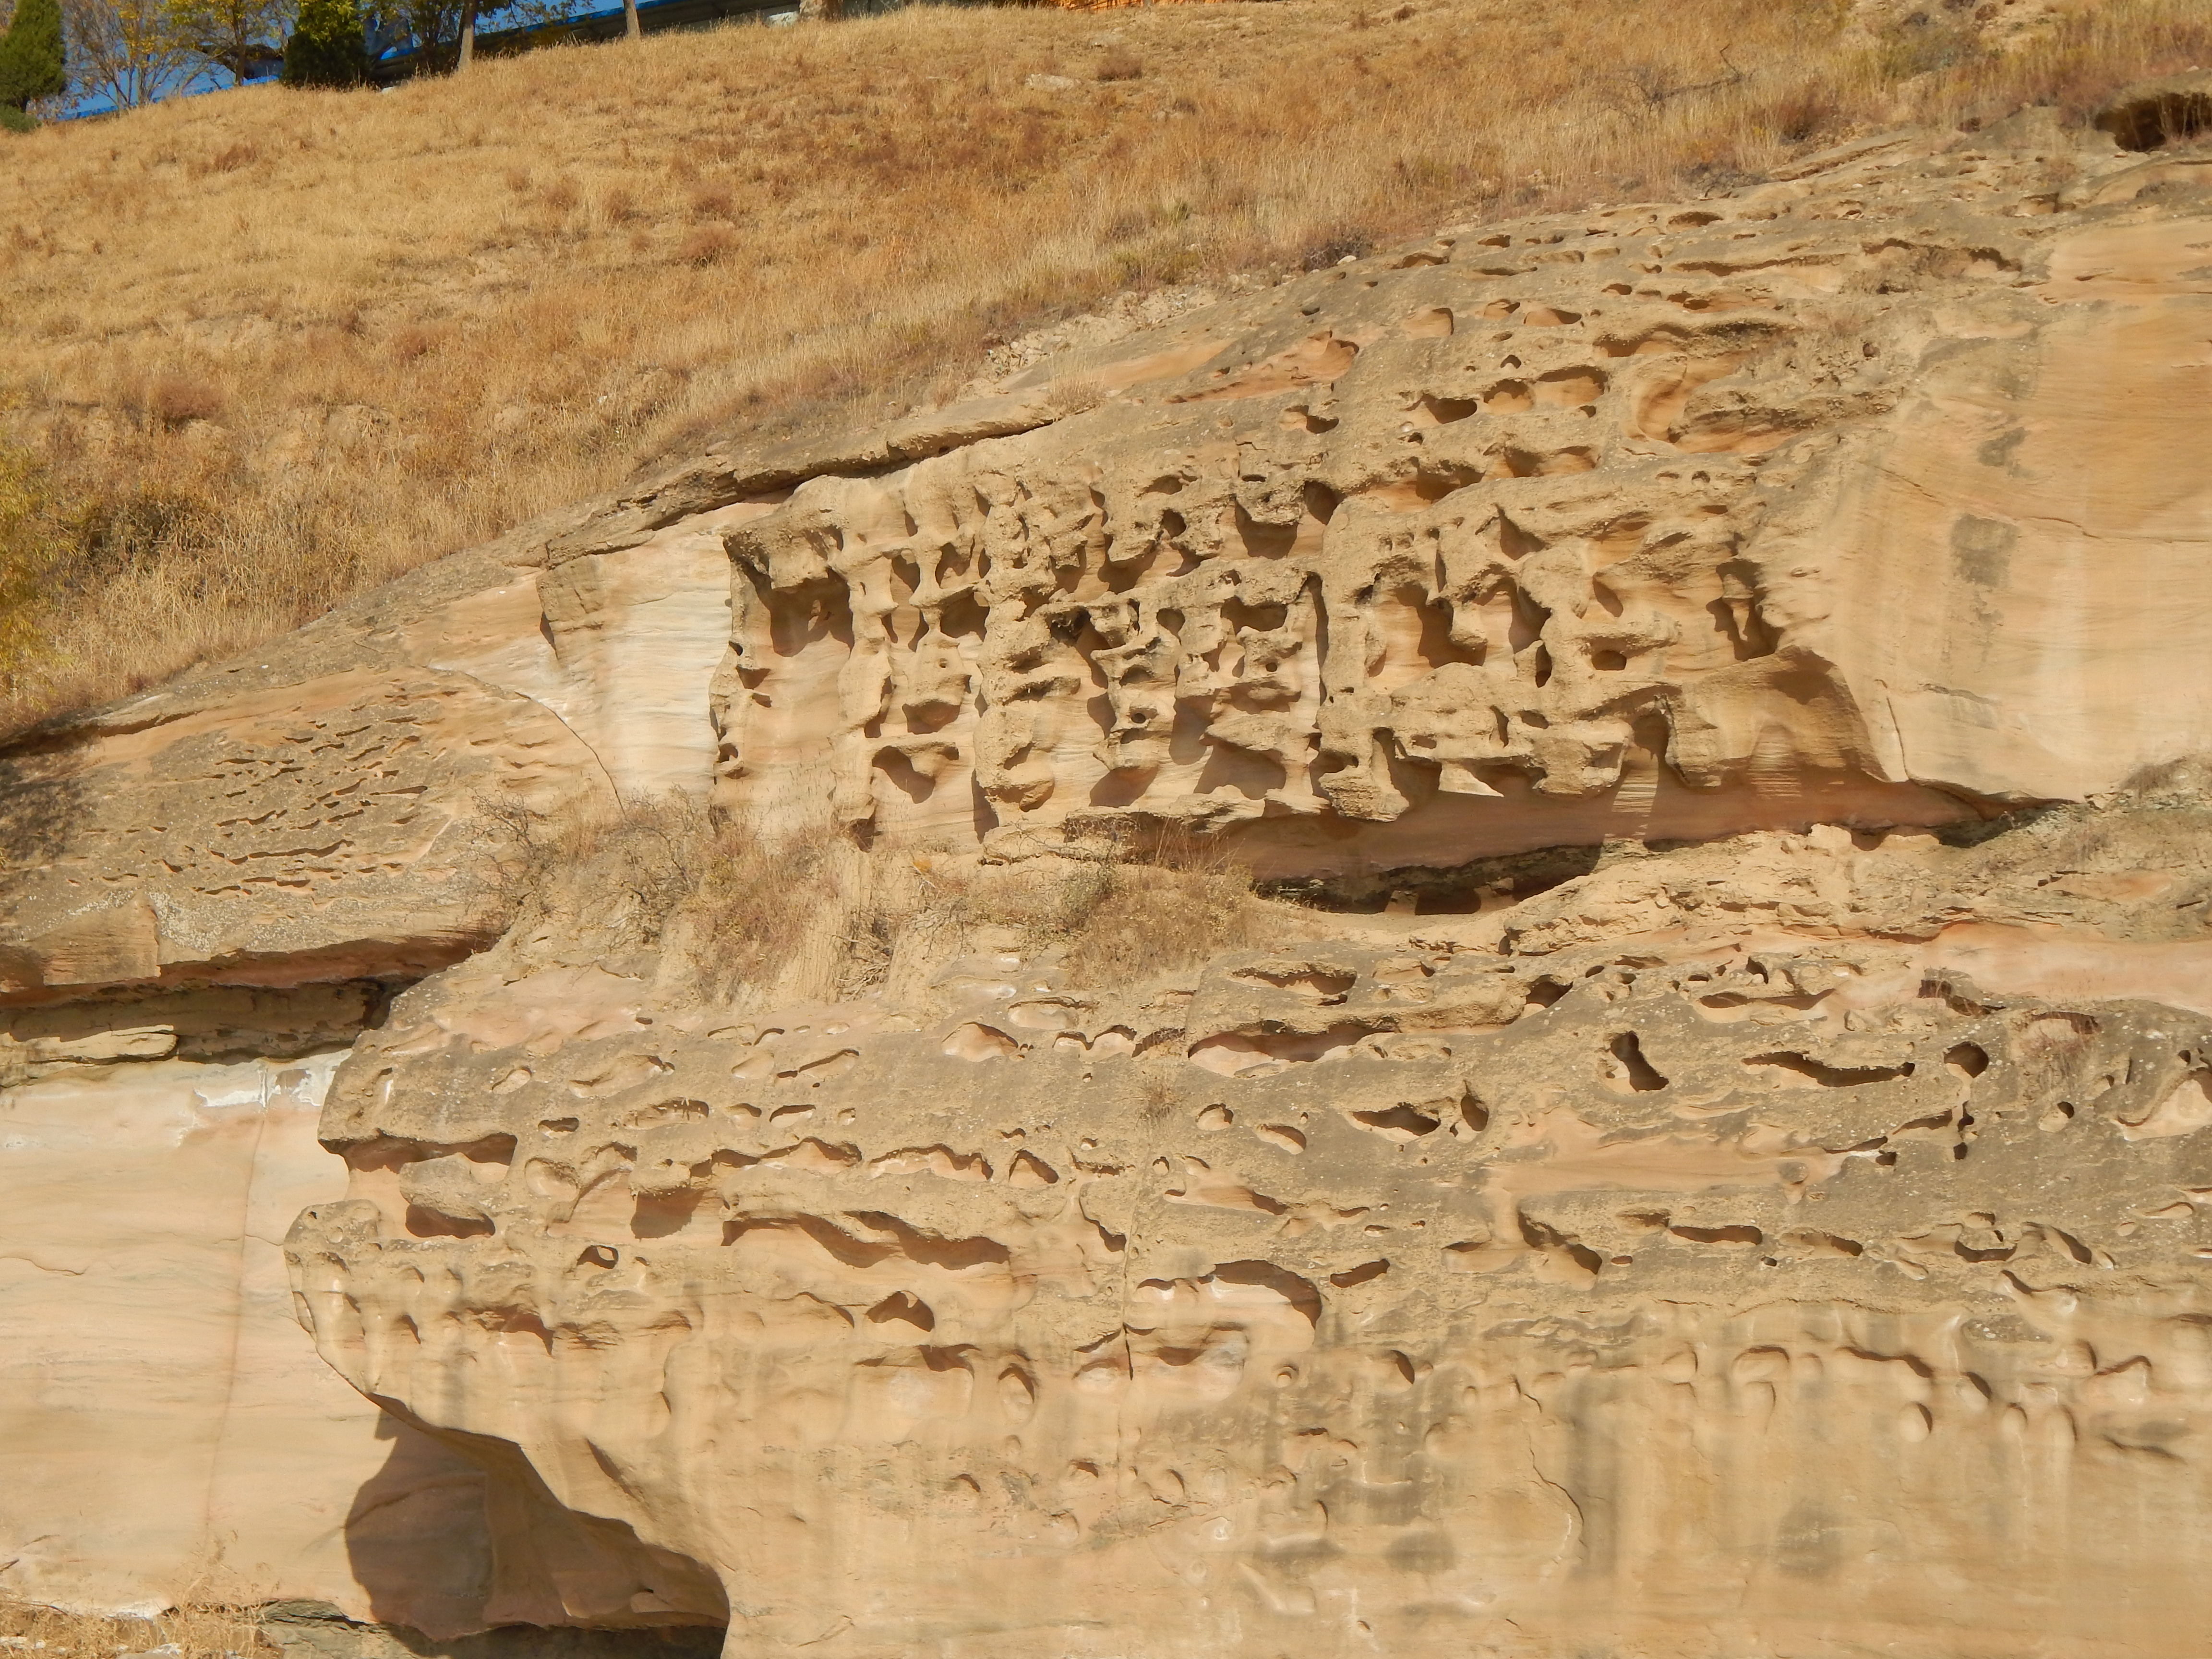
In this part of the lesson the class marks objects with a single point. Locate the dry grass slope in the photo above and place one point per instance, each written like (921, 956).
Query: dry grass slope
(267, 348)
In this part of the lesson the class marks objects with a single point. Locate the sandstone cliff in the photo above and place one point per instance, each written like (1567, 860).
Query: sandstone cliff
(1692, 1148)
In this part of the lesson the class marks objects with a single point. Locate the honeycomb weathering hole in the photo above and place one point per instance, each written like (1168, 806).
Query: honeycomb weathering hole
(2159, 118)
(1399, 1122)
(1630, 1073)
(978, 1042)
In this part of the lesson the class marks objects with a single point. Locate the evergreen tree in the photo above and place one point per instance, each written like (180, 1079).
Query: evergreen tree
(327, 49)
(30, 64)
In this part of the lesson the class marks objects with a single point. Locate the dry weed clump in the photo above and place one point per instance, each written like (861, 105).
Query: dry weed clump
(1130, 917)
(1126, 917)
(1151, 920)
(666, 875)
(196, 1631)
(268, 347)
(1118, 64)
(723, 912)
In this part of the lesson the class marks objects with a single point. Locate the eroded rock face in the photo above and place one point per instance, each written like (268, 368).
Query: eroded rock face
(1652, 1193)
(210, 890)
(1697, 1235)
(318, 814)
(1836, 500)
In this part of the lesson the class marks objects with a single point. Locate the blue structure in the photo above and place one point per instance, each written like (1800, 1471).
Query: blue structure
(395, 55)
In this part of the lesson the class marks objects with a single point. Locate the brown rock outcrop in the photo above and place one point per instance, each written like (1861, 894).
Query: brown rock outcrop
(1701, 1149)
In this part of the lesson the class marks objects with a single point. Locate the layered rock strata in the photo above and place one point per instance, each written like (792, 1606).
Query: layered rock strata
(1708, 1163)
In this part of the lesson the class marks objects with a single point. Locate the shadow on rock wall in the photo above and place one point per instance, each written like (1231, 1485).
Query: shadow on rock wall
(41, 803)
(417, 1537)
(466, 1554)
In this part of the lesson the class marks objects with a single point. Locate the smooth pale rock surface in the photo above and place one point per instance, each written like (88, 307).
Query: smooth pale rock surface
(166, 1429)
(1714, 1161)
(2054, 479)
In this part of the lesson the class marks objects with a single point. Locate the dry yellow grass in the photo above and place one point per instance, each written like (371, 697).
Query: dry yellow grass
(28, 1630)
(755, 922)
(1121, 920)
(269, 348)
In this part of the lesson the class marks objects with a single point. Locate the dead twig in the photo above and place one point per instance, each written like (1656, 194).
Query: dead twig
(1653, 82)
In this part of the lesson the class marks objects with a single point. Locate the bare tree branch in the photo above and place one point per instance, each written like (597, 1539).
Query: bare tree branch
(124, 51)
(1655, 86)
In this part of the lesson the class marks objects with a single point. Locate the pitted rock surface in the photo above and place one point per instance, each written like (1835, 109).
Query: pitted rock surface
(1699, 1230)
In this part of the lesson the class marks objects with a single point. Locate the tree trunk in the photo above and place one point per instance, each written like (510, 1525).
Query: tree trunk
(630, 29)
(468, 33)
